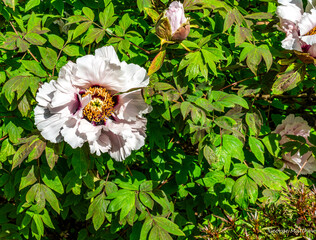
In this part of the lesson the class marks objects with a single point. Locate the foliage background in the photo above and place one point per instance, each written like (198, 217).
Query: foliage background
(210, 152)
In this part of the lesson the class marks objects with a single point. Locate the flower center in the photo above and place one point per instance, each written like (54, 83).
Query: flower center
(311, 32)
(101, 106)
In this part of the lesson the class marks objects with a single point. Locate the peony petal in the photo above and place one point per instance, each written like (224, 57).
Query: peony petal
(108, 53)
(290, 10)
(307, 23)
(125, 137)
(46, 93)
(102, 145)
(312, 50)
(175, 14)
(90, 71)
(71, 134)
(65, 78)
(134, 76)
(291, 43)
(49, 124)
(131, 105)
(86, 128)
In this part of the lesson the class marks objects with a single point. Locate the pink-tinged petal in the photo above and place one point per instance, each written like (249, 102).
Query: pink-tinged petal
(125, 137)
(307, 23)
(309, 40)
(90, 71)
(46, 93)
(94, 70)
(292, 125)
(131, 105)
(65, 78)
(134, 76)
(71, 134)
(291, 10)
(49, 124)
(312, 50)
(63, 99)
(102, 145)
(291, 43)
(108, 53)
(175, 14)
(86, 128)
(305, 164)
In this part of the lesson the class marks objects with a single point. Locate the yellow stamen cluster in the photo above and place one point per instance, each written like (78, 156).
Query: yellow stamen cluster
(100, 107)
(311, 32)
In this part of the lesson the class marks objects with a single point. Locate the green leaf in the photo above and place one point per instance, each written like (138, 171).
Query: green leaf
(79, 161)
(245, 190)
(18, 84)
(81, 28)
(257, 175)
(35, 39)
(157, 62)
(97, 210)
(37, 150)
(225, 122)
(229, 20)
(59, 6)
(169, 226)
(271, 142)
(257, 148)
(88, 13)
(274, 178)
(161, 86)
(28, 177)
(106, 17)
(239, 170)
(37, 220)
(266, 54)
(259, 15)
(24, 151)
(29, 5)
(142, 4)
(205, 104)
(146, 200)
(49, 57)
(185, 108)
(234, 146)
(125, 22)
(289, 79)
(154, 233)
(34, 67)
(127, 204)
(253, 60)
(241, 35)
(56, 41)
(46, 219)
(152, 14)
(92, 36)
(71, 50)
(24, 106)
(14, 132)
(51, 155)
(51, 198)
(254, 122)
(147, 225)
(51, 179)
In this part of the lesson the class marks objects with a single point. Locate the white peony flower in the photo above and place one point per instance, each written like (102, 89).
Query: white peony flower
(292, 125)
(299, 26)
(173, 25)
(86, 104)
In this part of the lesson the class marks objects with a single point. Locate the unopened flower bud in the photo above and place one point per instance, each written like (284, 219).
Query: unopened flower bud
(173, 25)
